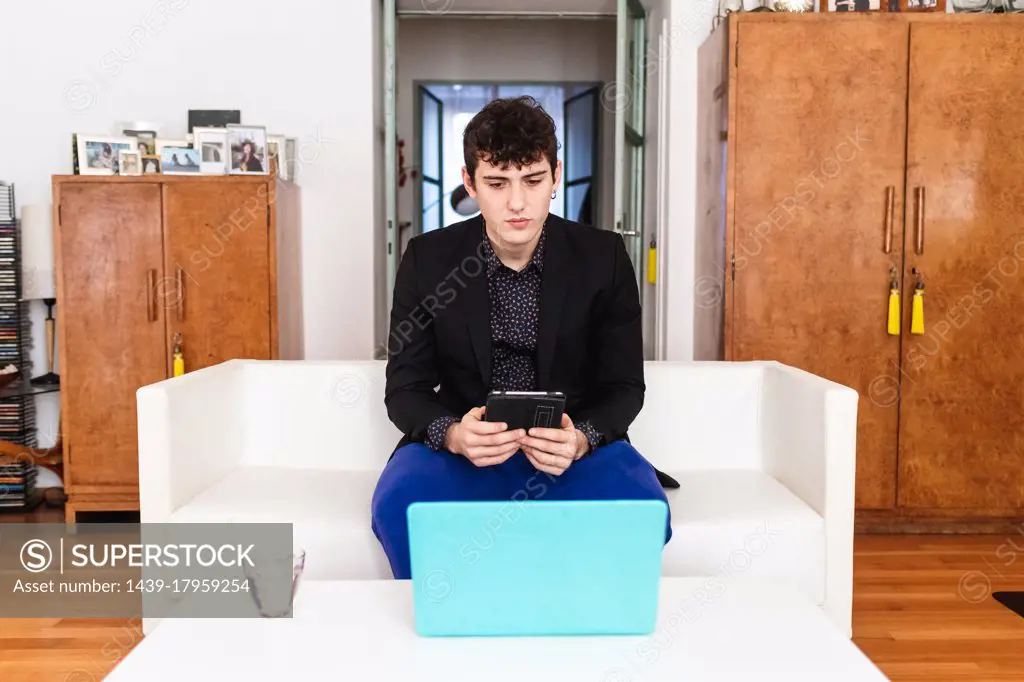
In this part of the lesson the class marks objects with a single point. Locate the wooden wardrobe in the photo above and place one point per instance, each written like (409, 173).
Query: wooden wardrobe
(845, 153)
(140, 260)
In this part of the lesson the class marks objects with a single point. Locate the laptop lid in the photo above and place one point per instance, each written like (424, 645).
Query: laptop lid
(536, 567)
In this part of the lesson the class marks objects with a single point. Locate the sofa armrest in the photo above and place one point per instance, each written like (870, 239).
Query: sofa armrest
(809, 444)
(190, 436)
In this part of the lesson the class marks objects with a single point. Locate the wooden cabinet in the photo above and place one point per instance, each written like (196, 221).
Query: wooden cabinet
(140, 260)
(961, 445)
(862, 149)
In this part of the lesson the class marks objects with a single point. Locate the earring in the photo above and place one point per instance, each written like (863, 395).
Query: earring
(553, 193)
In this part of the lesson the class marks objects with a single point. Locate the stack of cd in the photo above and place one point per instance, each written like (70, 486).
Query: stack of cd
(17, 482)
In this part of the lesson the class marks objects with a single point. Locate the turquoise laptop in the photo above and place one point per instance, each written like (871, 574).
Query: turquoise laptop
(536, 567)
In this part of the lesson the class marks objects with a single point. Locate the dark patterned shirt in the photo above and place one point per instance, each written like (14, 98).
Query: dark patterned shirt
(514, 312)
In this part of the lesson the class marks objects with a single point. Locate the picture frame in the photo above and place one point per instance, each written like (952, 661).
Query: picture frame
(99, 154)
(151, 165)
(146, 146)
(277, 150)
(854, 6)
(212, 118)
(922, 5)
(248, 150)
(212, 144)
(164, 142)
(179, 161)
(129, 162)
(291, 144)
(144, 133)
(137, 129)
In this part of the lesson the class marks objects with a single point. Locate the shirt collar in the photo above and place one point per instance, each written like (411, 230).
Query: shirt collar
(536, 260)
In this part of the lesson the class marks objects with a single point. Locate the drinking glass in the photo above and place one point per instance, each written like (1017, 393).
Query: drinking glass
(274, 599)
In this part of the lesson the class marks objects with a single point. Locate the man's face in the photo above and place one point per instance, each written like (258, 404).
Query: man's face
(514, 202)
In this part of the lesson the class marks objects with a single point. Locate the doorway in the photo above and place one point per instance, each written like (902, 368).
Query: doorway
(600, 46)
(444, 109)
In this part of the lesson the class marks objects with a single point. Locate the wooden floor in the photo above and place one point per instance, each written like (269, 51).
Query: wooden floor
(922, 606)
(922, 611)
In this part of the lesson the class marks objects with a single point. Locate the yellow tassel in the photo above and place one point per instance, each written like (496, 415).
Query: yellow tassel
(917, 312)
(894, 311)
(179, 357)
(652, 264)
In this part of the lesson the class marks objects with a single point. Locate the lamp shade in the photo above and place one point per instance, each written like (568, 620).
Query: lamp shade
(37, 279)
(462, 203)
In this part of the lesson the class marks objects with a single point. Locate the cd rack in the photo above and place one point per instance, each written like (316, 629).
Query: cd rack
(17, 413)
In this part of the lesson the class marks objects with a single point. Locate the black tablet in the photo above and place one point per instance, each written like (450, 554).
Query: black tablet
(526, 409)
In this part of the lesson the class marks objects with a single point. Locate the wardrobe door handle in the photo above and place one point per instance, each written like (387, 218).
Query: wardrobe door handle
(919, 220)
(151, 294)
(890, 207)
(181, 294)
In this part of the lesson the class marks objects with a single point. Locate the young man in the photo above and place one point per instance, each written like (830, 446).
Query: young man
(512, 299)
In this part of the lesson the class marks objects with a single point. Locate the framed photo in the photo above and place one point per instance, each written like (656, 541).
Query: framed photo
(137, 129)
(922, 5)
(276, 151)
(248, 145)
(289, 158)
(129, 162)
(146, 146)
(179, 161)
(150, 165)
(212, 144)
(212, 118)
(855, 5)
(160, 143)
(99, 155)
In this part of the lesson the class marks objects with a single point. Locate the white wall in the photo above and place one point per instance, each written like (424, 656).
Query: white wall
(690, 22)
(301, 70)
(552, 51)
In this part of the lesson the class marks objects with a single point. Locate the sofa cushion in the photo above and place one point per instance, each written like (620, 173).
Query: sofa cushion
(739, 522)
(728, 523)
(330, 510)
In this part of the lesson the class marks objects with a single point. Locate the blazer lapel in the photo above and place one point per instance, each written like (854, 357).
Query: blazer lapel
(473, 268)
(554, 281)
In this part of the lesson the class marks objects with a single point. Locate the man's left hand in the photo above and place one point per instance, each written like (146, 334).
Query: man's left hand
(553, 450)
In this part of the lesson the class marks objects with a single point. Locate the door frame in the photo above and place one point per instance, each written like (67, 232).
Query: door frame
(597, 168)
(392, 245)
(391, 14)
(417, 153)
(628, 220)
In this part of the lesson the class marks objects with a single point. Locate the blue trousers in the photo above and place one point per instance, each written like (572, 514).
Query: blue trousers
(416, 473)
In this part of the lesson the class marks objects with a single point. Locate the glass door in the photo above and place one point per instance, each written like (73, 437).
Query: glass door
(627, 98)
(580, 167)
(429, 212)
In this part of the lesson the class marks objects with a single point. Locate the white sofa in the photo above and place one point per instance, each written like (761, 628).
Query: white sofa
(764, 453)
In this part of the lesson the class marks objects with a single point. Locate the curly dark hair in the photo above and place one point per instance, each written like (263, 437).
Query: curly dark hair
(511, 131)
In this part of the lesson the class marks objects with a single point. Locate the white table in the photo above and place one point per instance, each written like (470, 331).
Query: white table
(363, 630)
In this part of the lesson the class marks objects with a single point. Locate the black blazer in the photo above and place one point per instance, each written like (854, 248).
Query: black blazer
(589, 336)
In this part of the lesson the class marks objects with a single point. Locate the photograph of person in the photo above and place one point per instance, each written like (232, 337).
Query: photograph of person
(248, 150)
(179, 160)
(100, 155)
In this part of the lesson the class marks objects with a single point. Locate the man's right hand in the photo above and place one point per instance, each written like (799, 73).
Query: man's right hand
(482, 443)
